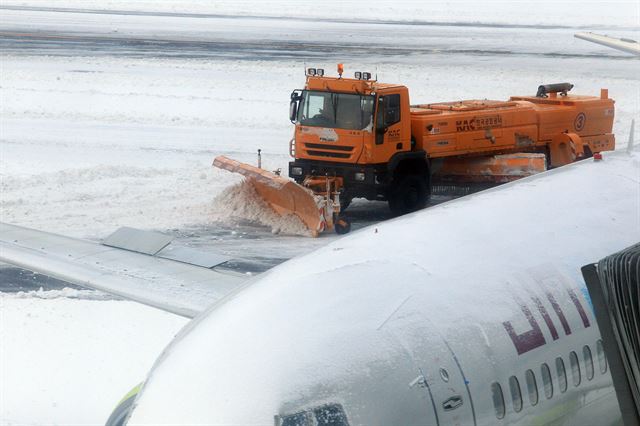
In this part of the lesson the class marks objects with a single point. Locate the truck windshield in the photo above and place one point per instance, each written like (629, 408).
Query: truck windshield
(336, 110)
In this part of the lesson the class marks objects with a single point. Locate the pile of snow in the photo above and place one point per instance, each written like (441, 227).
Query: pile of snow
(93, 201)
(241, 201)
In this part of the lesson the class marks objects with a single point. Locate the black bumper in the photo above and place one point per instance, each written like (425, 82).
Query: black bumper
(373, 187)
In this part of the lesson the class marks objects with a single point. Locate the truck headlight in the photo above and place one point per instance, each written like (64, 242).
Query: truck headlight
(359, 176)
(296, 171)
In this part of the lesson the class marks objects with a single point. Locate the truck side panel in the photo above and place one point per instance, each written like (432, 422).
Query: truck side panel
(460, 133)
(522, 124)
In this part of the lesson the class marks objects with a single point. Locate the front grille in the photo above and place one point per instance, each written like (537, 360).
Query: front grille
(328, 154)
(331, 147)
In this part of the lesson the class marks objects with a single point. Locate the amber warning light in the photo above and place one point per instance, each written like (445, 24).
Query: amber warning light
(340, 69)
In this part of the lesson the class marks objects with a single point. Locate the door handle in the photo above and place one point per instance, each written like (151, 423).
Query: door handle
(452, 403)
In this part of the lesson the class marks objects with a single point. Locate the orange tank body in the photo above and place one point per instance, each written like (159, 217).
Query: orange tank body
(524, 123)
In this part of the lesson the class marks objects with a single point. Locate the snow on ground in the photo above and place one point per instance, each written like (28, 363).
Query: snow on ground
(546, 12)
(105, 135)
(90, 144)
(69, 361)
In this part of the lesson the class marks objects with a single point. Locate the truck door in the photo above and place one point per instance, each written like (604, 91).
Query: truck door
(392, 133)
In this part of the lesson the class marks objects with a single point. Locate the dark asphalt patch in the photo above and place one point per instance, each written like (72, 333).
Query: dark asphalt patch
(78, 44)
(13, 280)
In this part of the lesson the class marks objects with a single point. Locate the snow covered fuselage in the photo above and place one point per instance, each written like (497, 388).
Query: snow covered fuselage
(471, 312)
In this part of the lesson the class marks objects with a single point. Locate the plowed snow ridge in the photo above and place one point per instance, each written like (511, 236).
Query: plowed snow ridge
(241, 201)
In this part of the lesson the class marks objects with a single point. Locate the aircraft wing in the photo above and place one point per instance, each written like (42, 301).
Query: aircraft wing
(142, 268)
(626, 45)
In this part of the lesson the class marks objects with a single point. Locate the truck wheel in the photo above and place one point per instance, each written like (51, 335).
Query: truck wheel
(342, 225)
(408, 195)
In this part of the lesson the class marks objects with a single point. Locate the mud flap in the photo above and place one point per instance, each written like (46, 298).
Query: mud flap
(565, 148)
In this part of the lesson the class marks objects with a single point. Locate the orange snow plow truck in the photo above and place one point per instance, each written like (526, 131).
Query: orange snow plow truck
(357, 137)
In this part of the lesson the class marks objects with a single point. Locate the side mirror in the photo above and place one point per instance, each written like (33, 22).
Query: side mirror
(296, 96)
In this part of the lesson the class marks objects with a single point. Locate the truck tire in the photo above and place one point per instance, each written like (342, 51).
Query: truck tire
(411, 193)
(342, 225)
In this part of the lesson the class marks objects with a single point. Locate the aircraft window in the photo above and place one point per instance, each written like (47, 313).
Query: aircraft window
(588, 361)
(498, 399)
(532, 387)
(516, 395)
(575, 368)
(602, 360)
(547, 382)
(330, 415)
(562, 374)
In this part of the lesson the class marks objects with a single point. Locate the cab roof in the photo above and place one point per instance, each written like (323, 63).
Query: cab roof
(346, 85)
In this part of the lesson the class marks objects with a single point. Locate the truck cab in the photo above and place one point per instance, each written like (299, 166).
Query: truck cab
(358, 130)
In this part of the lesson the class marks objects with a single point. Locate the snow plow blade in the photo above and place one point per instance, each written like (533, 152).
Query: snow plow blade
(283, 195)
